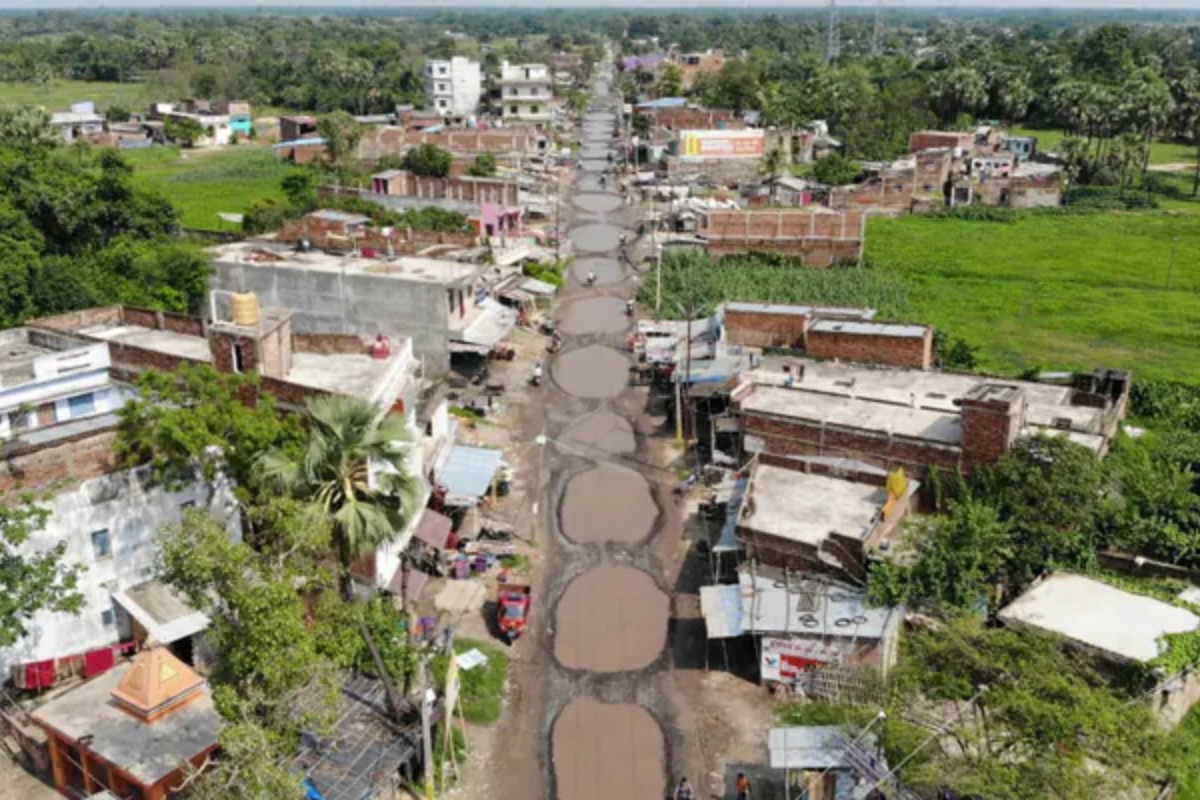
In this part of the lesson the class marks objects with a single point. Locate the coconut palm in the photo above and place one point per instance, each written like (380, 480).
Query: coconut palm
(351, 473)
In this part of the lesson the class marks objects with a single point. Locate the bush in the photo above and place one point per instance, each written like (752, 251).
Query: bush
(484, 166)
(264, 216)
(428, 161)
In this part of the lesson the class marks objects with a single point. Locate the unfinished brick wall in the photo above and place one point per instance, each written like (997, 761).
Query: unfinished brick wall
(62, 465)
(992, 416)
(926, 140)
(867, 348)
(765, 329)
(819, 237)
(331, 343)
(796, 437)
(892, 192)
(404, 242)
(393, 141)
(696, 119)
(74, 321)
(722, 171)
(465, 189)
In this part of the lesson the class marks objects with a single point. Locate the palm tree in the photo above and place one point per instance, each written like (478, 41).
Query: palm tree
(351, 473)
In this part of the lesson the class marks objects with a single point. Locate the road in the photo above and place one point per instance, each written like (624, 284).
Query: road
(593, 712)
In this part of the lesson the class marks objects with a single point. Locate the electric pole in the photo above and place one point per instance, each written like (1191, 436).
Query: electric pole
(833, 46)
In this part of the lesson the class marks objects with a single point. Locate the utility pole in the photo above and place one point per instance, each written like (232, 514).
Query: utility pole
(833, 45)
(427, 696)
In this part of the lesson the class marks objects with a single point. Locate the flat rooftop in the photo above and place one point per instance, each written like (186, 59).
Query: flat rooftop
(22, 351)
(147, 752)
(809, 605)
(180, 345)
(915, 403)
(807, 508)
(800, 310)
(1117, 623)
(867, 328)
(401, 268)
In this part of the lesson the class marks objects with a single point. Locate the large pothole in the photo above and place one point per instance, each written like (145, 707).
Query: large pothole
(597, 203)
(597, 237)
(606, 270)
(588, 315)
(609, 503)
(591, 372)
(603, 431)
(608, 751)
(611, 619)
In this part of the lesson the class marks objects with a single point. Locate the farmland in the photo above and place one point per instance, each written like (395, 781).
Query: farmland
(1043, 291)
(1160, 152)
(59, 95)
(202, 183)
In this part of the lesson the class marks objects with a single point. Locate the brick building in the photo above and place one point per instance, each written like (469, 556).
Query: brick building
(817, 236)
(767, 325)
(913, 419)
(401, 183)
(899, 345)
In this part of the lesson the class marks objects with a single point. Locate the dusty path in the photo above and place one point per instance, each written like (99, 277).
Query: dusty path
(596, 710)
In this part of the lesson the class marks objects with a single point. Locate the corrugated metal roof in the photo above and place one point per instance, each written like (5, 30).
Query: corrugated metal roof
(721, 607)
(810, 606)
(468, 473)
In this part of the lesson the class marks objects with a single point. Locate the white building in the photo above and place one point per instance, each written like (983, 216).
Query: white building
(454, 87)
(58, 405)
(526, 92)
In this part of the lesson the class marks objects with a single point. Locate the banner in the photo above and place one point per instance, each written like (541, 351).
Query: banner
(700, 145)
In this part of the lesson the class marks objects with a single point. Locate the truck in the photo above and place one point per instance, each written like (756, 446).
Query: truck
(512, 610)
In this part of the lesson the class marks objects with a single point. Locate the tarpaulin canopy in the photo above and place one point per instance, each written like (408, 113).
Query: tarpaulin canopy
(161, 611)
(468, 473)
(433, 528)
(494, 323)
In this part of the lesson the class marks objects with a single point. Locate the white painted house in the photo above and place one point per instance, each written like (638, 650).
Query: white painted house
(526, 92)
(454, 86)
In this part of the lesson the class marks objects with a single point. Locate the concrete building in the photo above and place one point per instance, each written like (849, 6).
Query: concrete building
(918, 419)
(1119, 627)
(58, 404)
(134, 731)
(442, 306)
(80, 122)
(454, 86)
(526, 92)
(821, 515)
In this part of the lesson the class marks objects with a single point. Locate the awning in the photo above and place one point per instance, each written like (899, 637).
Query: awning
(534, 286)
(468, 473)
(489, 329)
(434, 529)
(161, 611)
(722, 610)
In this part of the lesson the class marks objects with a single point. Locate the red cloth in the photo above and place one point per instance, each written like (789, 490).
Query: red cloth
(40, 674)
(97, 661)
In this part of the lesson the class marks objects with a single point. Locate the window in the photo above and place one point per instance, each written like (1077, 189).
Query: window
(102, 544)
(533, 91)
(441, 103)
(513, 110)
(441, 70)
(108, 617)
(535, 109)
(83, 405)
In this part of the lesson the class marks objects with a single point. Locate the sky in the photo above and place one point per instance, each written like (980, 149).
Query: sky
(656, 4)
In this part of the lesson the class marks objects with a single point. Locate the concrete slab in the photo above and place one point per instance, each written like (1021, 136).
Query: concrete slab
(461, 597)
(590, 315)
(606, 270)
(611, 619)
(608, 504)
(807, 508)
(593, 372)
(175, 344)
(606, 751)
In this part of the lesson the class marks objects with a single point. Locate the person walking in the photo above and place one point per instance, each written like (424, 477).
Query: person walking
(742, 786)
(684, 791)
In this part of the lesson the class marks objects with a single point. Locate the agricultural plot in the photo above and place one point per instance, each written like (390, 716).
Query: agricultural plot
(203, 183)
(59, 95)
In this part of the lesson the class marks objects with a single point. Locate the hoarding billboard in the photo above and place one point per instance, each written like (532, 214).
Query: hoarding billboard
(700, 145)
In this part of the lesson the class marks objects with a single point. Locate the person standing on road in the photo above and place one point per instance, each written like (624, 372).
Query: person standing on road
(742, 786)
(684, 791)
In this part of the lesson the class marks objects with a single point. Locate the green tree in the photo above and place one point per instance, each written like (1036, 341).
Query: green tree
(264, 216)
(341, 134)
(957, 91)
(197, 422)
(31, 581)
(836, 170)
(484, 166)
(429, 161)
(255, 764)
(352, 474)
(26, 128)
(300, 188)
(670, 81)
(183, 130)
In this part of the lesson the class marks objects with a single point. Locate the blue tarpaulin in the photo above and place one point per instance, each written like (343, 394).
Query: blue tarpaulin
(664, 102)
(468, 473)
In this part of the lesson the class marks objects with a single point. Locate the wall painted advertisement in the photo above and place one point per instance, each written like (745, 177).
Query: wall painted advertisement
(698, 145)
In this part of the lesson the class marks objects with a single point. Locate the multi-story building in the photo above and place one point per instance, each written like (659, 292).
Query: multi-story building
(525, 92)
(454, 86)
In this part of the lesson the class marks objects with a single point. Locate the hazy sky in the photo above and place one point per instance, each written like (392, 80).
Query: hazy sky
(657, 4)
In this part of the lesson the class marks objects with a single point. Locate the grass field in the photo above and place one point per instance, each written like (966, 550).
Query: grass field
(58, 95)
(202, 183)
(1056, 291)
(1160, 152)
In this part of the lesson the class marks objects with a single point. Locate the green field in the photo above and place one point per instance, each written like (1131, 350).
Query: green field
(58, 95)
(1056, 291)
(1160, 152)
(202, 183)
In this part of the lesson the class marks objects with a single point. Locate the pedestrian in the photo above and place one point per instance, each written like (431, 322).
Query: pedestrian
(742, 786)
(684, 791)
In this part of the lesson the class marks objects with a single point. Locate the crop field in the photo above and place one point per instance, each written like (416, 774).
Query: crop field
(1055, 292)
(58, 95)
(202, 183)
